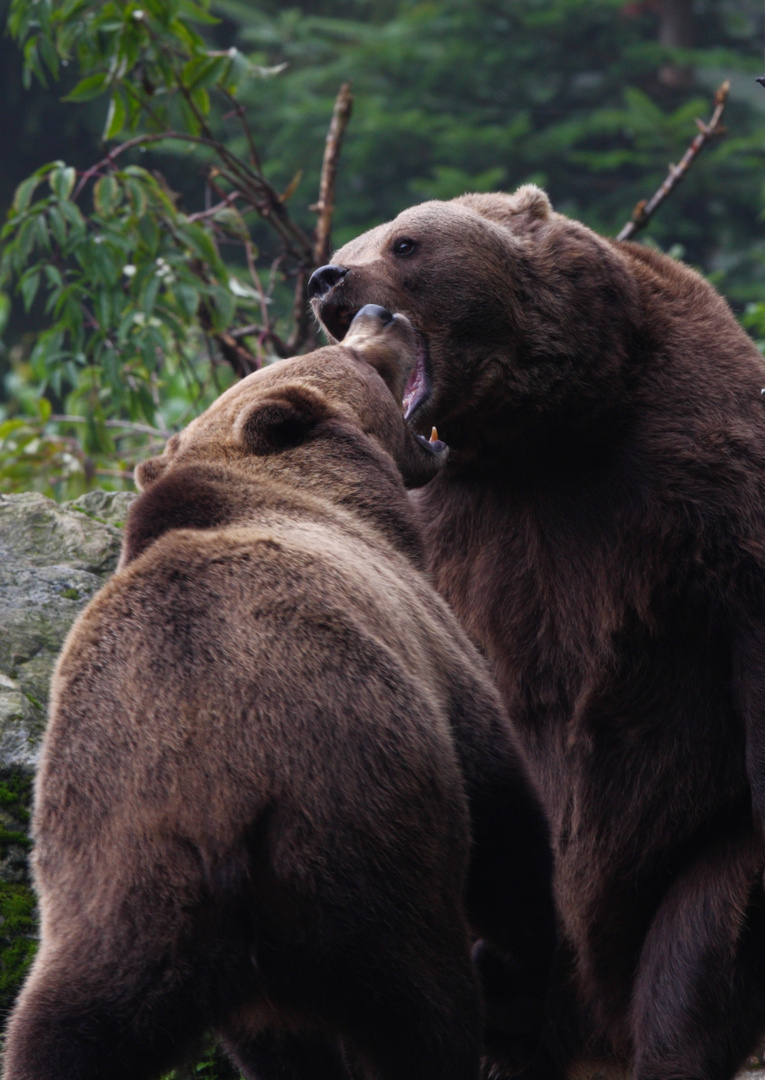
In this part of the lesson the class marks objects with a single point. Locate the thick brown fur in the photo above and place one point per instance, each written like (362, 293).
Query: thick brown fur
(269, 750)
(599, 529)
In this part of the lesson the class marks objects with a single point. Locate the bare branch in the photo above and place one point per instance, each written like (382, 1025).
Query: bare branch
(237, 109)
(325, 207)
(138, 429)
(302, 323)
(646, 208)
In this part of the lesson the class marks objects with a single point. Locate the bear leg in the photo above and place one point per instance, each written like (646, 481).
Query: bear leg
(418, 1032)
(282, 1055)
(699, 996)
(85, 1015)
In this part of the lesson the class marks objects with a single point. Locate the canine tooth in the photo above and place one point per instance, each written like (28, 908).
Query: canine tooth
(434, 435)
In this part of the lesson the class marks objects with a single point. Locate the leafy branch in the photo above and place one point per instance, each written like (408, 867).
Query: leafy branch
(134, 287)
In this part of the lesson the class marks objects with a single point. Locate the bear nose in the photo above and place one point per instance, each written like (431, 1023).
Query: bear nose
(324, 279)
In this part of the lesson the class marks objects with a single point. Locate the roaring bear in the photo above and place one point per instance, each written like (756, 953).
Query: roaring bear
(274, 791)
(599, 529)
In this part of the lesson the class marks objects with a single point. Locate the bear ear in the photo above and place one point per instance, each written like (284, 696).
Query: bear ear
(528, 201)
(281, 420)
(147, 472)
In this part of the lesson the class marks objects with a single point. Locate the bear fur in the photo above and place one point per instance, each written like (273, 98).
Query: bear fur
(269, 743)
(599, 529)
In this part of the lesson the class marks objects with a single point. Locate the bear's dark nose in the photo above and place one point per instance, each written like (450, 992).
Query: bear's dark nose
(324, 279)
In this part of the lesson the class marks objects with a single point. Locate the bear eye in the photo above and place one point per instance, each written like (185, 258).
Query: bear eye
(404, 246)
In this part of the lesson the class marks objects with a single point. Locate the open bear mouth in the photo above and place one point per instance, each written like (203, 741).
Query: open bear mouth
(418, 386)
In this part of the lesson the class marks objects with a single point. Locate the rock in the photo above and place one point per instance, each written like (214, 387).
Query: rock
(53, 559)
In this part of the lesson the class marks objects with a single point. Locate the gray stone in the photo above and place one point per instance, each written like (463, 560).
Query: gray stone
(53, 559)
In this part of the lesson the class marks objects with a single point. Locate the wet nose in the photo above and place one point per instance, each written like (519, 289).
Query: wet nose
(324, 279)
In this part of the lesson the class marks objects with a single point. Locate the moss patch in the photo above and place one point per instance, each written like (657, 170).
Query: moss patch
(18, 940)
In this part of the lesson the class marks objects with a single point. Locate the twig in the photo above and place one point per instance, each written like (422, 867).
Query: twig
(211, 211)
(341, 114)
(238, 109)
(301, 313)
(645, 209)
(119, 474)
(138, 429)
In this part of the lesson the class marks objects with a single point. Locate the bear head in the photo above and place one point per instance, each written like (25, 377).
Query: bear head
(520, 313)
(329, 422)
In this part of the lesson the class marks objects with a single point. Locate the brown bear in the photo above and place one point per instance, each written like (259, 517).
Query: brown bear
(275, 787)
(599, 529)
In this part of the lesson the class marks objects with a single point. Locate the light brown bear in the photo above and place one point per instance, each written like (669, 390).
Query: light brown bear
(268, 744)
(599, 529)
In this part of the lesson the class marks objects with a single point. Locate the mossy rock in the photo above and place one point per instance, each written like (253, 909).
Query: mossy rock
(53, 559)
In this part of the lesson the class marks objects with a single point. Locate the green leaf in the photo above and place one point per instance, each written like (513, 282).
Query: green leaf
(28, 288)
(188, 299)
(201, 99)
(196, 13)
(53, 274)
(49, 55)
(232, 221)
(89, 87)
(137, 195)
(97, 439)
(103, 309)
(201, 244)
(224, 307)
(57, 225)
(24, 193)
(203, 70)
(115, 117)
(44, 409)
(150, 295)
(25, 239)
(42, 236)
(5, 310)
(149, 233)
(107, 194)
(32, 63)
(74, 217)
(62, 182)
(106, 266)
(9, 426)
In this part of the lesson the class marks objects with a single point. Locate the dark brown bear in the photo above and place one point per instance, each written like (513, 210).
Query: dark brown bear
(599, 529)
(267, 741)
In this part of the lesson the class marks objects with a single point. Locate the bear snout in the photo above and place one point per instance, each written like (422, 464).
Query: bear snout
(324, 279)
(373, 311)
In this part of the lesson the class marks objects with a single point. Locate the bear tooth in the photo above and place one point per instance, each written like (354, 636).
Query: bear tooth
(434, 435)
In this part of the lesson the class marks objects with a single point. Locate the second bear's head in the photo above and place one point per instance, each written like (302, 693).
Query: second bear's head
(329, 423)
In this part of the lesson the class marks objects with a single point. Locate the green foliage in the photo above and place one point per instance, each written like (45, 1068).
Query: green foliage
(213, 1066)
(572, 94)
(18, 942)
(754, 321)
(133, 291)
(18, 927)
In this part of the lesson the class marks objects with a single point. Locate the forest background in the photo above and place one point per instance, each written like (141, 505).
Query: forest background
(136, 284)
